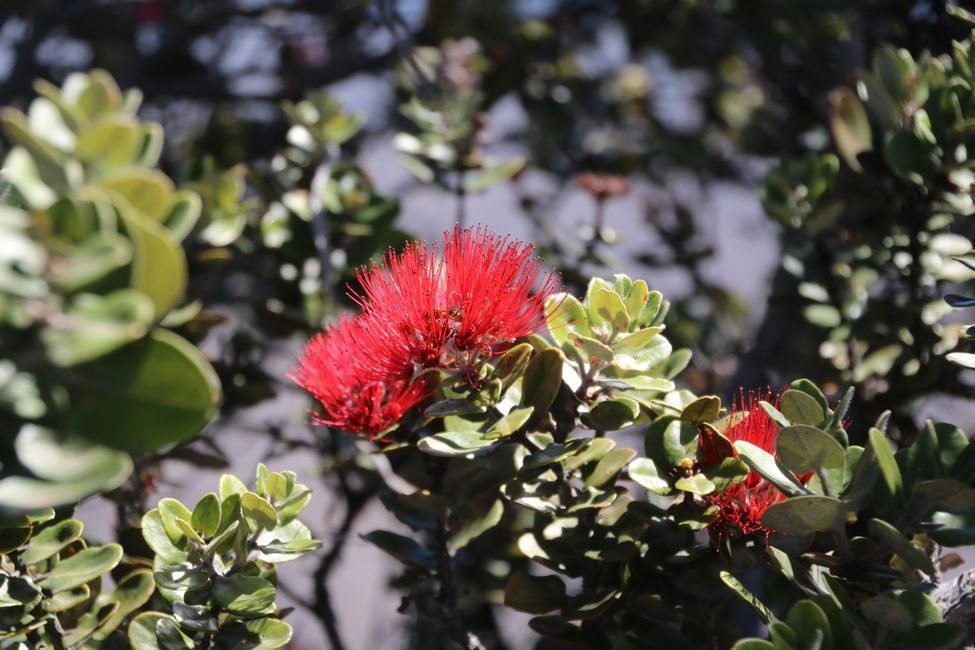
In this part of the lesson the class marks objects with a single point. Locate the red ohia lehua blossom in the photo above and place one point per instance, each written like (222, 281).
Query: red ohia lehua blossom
(352, 402)
(740, 507)
(423, 309)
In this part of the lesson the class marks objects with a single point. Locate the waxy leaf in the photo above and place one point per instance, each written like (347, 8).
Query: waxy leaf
(51, 540)
(241, 594)
(804, 448)
(800, 408)
(82, 567)
(769, 468)
(643, 472)
(806, 514)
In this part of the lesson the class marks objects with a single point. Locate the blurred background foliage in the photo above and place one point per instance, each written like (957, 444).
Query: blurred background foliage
(188, 187)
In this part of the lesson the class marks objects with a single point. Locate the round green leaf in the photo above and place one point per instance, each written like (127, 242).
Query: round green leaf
(643, 471)
(158, 540)
(150, 394)
(259, 513)
(801, 408)
(241, 594)
(805, 514)
(804, 448)
(206, 515)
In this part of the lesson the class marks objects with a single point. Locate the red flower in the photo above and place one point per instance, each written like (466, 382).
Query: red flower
(423, 310)
(740, 507)
(352, 402)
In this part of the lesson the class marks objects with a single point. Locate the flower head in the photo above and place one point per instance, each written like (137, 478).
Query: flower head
(352, 402)
(426, 309)
(741, 506)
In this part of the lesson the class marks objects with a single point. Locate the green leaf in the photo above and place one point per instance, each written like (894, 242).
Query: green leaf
(541, 382)
(158, 539)
(944, 494)
(97, 325)
(230, 484)
(823, 315)
(811, 389)
(54, 457)
(183, 214)
(810, 513)
(82, 567)
(512, 364)
(805, 448)
(142, 631)
(159, 263)
(609, 467)
(456, 444)
(703, 409)
(800, 408)
(643, 472)
(888, 466)
(637, 340)
(147, 395)
(110, 143)
(170, 512)
(473, 522)
(726, 473)
(51, 540)
(607, 308)
(52, 165)
(592, 450)
(488, 177)
(150, 145)
(564, 314)
(286, 543)
(775, 414)
(198, 618)
(534, 594)
(244, 595)
(887, 613)
(850, 126)
(652, 309)
(132, 592)
(895, 540)
(23, 493)
(748, 597)
(259, 513)
(259, 634)
(147, 190)
(592, 350)
(636, 299)
(510, 423)
(206, 515)
(769, 468)
(611, 414)
(91, 260)
(811, 626)
(404, 549)
(696, 484)
(907, 154)
(66, 600)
